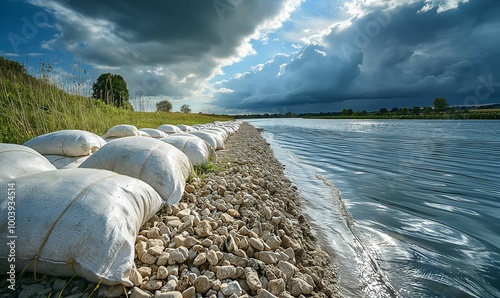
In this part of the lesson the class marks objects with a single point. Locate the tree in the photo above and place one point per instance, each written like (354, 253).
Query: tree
(112, 89)
(394, 110)
(185, 109)
(427, 110)
(164, 106)
(383, 111)
(347, 112)
(440, 104)
(415, 110)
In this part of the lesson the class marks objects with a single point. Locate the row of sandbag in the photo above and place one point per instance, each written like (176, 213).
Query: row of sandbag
(87, 217)
(76, 146)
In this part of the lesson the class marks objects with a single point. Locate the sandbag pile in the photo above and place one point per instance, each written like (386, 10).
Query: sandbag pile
(197, 150)
(154, 133)
(78, 220)
(18, 161)
(159, 164)
(84, 218)
(66, 148)
(169, 129)
(121, 131)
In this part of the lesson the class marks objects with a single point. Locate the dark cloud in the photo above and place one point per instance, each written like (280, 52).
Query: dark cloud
(405, 53)
(177, 43)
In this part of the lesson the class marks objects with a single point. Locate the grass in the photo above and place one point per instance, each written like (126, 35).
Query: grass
(31, 106)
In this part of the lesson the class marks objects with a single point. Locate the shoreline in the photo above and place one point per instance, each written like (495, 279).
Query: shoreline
(236, 233)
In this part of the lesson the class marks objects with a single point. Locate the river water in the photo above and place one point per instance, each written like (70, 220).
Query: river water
(406, 208)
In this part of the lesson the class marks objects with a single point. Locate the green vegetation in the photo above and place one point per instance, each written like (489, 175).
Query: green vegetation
(185, 109)
(441, 110)
(111, 89)
(164, 106)
(30, 107)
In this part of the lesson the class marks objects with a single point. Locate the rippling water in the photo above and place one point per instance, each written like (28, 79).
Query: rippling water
(408, 208)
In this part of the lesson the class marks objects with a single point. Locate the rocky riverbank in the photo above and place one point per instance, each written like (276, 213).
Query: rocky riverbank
(237, 233)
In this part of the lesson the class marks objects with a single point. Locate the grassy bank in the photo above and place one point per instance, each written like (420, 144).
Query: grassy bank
(30, 107)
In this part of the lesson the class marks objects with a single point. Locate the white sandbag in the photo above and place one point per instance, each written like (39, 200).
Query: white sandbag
(169, 129)
(220, 131)
(67, 142)
(218, 136)
(155, 133)
(144, 134)
(209, 138)
(161, 165)
(17, 161)
(81, 221)
(66, 162)
(122, 130)
(197, 150)
(185, 128)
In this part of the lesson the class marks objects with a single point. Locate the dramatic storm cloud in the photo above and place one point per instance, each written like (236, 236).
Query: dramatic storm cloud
(238, 56)
(413, 52)
(163, 48)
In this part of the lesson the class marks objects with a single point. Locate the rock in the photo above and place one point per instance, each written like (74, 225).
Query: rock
(183, 213)
(267, 257)
(274, 242)
(155, 250)
(227, 218)
(190, 188)
(289, 242)
(297, 286)
(177, 256)
(169, 294)
(276, 286)
(200, 259)
(288, 269)
(235, 260)
(152, 285)
(252, 278)
(148, 259)
(191, 241)
(202, 284)
(135, 277)
(206, 242)
(162, 260)
(256, 243)
(138, 293)
(224, 272)
(204, 229)
(162, 272)
(173, 270)
(183, 283)
(256, 264)
(265, 294)
(154, 242)
(268, 213)
(179, 240)
(59, 284)
(212, 257)
(233, 288)
(110, 291)
(174, 223)
(189, 293)
(231, 244)
(169, 286)
(31, 290)
(233, 213)
(145, 271)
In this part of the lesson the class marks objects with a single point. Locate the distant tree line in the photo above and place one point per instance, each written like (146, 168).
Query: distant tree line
(440, 110)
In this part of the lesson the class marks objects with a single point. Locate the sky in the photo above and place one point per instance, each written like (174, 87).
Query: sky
(264, 56)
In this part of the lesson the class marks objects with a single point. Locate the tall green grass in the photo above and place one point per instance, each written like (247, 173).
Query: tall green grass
(31, 106)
